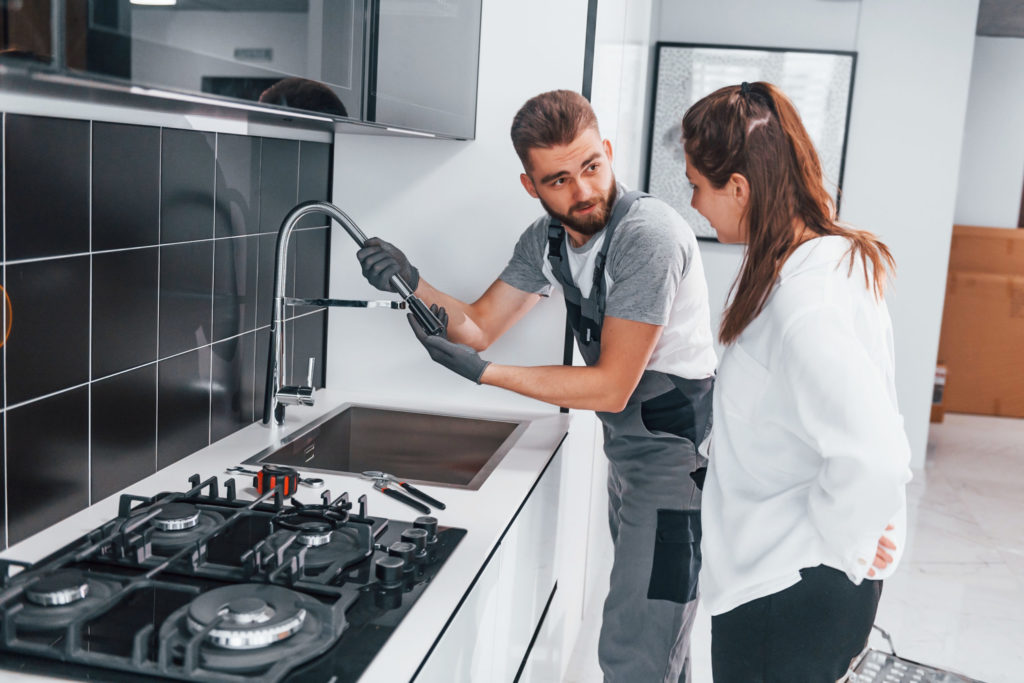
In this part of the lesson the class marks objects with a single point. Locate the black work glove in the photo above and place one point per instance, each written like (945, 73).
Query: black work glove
(458, 358)
(380, 260)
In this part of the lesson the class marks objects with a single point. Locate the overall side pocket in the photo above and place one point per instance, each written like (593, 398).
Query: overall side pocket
(676, 562)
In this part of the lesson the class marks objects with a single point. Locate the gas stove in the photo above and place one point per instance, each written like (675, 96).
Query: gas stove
(204, 586)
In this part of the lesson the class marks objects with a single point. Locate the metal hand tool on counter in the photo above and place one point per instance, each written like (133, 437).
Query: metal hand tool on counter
(267, 477)
(381, 481)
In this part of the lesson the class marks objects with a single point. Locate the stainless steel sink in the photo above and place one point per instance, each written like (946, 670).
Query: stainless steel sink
(419, 447)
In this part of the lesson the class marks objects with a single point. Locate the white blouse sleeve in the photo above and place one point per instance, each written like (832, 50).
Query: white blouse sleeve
(839, 405)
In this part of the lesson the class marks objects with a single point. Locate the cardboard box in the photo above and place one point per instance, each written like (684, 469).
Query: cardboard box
(987, 250)
(982, 339)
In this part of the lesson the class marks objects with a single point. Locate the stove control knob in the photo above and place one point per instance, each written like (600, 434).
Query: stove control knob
(389, 571)
(418, 537)
(429, 524)
(405, 551)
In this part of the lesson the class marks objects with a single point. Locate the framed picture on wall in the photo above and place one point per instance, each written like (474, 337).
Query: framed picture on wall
(820, 84)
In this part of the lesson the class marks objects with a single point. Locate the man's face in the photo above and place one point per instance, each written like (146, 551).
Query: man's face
(574, 182)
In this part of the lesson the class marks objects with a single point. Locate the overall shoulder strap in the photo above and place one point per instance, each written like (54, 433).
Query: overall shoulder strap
(556, 231)
(556, 244)
(618, 213)
(556, 254)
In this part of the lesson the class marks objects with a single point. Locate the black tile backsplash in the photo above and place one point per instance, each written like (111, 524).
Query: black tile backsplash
(238, 185)
(3, 479)
(305, 340)
(6, 326)
(234, 286)
(183, 405)
(48, 349)
(3, 236)
(47, 461)
(231, 398)
(125, 186)
(186, 185)
(314, 178)
(123, 430)
(279, 181)
(124, 309)
(311, 256)
(186, 296)
(262, 358)
(308, 257)
(265, 277)
(139, 261)
(47, 186)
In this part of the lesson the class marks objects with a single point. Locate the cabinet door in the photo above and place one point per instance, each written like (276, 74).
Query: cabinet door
(528, 575)
(423, 66)
(410, 64)
(467, 651)
(491, 633)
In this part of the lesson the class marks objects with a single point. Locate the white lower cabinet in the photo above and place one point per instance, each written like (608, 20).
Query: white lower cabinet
(491, 633)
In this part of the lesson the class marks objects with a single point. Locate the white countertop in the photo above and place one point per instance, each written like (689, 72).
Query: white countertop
(485, 513)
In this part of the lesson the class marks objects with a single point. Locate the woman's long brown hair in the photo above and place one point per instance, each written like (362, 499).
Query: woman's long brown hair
(754, 130)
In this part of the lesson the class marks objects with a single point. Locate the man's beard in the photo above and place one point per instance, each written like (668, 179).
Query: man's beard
(592, 223)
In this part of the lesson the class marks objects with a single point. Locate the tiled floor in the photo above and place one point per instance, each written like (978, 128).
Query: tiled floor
(957, 601)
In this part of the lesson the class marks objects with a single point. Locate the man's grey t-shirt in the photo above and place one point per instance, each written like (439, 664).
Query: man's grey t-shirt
(654, 274)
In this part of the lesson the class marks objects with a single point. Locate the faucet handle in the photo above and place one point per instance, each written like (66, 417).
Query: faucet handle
(294, 396)
(309, 373)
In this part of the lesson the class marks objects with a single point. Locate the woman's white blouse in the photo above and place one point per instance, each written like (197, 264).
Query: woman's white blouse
(808, 456)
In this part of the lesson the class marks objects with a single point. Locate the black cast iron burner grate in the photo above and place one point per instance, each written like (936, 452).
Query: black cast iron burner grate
(204, 586)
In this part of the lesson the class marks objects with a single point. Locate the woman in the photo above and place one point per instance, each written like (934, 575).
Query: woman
(804, 501)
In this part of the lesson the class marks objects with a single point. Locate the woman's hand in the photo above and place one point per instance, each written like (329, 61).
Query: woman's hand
(882, 558)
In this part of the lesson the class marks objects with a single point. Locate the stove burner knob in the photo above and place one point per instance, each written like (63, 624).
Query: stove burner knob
(406, 551)
(418, 537)
(389, 571)
(429, 524)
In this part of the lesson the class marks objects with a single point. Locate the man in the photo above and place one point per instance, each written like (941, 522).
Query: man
(636, 299)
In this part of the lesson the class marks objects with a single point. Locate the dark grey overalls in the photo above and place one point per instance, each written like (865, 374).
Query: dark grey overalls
(653, 504)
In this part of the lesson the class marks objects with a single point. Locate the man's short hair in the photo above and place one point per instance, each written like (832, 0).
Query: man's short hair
(552, 118)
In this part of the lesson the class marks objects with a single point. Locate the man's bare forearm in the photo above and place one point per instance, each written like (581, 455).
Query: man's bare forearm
(462, 328)
(568, 386)
(478, 324)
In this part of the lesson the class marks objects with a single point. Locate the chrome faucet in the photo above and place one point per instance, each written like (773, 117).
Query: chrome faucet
(278, 393)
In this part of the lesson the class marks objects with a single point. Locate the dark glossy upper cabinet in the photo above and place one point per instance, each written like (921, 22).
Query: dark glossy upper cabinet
(408, 64)
(424, 57)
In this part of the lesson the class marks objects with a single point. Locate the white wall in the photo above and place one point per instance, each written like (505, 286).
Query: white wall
(810, 24)
(619, 91)
(903, 157)
(902, 153)
(992, 162)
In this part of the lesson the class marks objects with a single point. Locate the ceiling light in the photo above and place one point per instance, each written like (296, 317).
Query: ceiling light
(155, 3)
